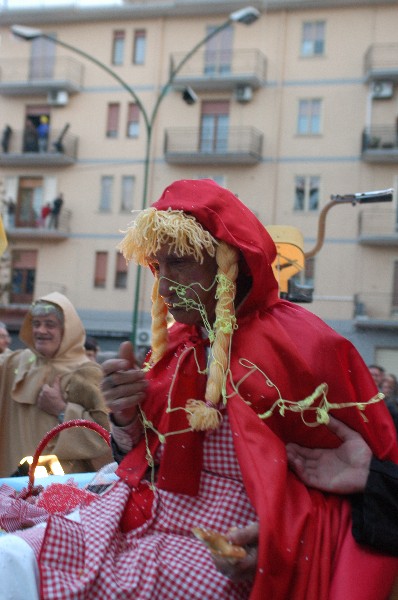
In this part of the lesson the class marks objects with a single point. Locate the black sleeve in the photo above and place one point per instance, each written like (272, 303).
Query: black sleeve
(375, 512)
(118, 455)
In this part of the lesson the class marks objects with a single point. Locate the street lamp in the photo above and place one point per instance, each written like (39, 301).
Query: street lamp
(245, 15)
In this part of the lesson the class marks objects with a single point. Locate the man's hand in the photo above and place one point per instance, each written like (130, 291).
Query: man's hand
(50, 398)
(245, 568)
(342, 470)
(123, 386)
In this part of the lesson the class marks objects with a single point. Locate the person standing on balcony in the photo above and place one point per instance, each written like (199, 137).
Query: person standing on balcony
(43, 130)
(10, 205)
(5, 140)
(30, 137)
(45, 214)
(56, 211)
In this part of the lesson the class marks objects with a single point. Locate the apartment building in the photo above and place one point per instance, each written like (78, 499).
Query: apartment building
(287, 111)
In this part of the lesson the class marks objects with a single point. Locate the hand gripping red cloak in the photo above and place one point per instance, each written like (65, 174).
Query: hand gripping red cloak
(306, 550)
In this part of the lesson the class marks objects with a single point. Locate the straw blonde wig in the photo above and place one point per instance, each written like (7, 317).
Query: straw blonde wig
(185, 236)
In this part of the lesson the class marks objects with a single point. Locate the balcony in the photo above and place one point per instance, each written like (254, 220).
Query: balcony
(378, 226)
(188, 146)
(375, 310)
(21, 77)
(380, 144)
(221, 71)
(381, 62)
(35, 230)
(61, 151)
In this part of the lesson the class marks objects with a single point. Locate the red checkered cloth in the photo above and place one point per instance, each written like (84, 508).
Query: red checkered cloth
(160, 560)
(16, 512)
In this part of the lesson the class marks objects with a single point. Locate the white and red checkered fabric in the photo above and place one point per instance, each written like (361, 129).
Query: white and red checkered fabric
(161, 560)
(17, 512)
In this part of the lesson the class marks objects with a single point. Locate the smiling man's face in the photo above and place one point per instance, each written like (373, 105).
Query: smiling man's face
(47, 334)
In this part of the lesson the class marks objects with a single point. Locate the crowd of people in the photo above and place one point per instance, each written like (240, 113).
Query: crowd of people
(49, 216)
(251, 425)
(50, 213)
(387, 384)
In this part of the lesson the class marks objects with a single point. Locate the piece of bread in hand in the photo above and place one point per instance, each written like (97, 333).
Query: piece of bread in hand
(219, 545)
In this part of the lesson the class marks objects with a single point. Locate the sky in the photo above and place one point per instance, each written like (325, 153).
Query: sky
(41, 3)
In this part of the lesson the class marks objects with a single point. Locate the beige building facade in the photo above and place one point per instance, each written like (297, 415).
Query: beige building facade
(294, 108)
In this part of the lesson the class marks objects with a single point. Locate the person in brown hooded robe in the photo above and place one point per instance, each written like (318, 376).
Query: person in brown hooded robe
(51, 381)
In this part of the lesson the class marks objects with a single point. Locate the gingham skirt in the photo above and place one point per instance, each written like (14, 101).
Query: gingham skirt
(161, 560)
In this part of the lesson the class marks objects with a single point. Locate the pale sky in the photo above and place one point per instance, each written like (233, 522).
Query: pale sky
(41, 3)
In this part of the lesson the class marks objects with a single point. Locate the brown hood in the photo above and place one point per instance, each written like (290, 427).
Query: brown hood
(71, 351)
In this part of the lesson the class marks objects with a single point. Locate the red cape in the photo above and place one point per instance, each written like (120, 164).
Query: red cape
(306, 549)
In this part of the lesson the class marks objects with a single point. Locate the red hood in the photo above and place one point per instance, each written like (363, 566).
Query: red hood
(228, 219)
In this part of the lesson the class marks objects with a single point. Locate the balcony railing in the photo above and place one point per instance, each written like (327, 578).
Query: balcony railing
(20, 77)
(380, 144)
(378, 226)
(376, 307)
(239, 145)
(221, 70)
(37, 229)
(381, 62)
(61, 150)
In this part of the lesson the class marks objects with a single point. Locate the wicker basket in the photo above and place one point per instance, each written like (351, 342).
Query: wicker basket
(55, 431)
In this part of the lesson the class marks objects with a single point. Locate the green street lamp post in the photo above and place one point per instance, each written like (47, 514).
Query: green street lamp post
(245, 15)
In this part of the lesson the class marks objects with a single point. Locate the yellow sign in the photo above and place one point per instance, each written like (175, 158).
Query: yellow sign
(290, 253)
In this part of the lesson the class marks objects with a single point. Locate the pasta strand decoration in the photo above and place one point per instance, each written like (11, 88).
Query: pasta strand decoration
(205, 415)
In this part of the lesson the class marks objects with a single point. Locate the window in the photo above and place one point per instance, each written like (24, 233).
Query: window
(106, 194)
(118, 47)
(29, 202)
(139, 47)
(133, 118)
(121, 272)
(218, 52)
(309, 113)
(306, 192)
(313, 38)
(127, 200)
(112, 124)
(101, 263)
(214, 127)
(23, 274)
(42, 58)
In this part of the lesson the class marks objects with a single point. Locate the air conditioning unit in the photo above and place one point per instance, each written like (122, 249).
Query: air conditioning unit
(143, 337)
(244, 93)
(382, 90)
(58, 98)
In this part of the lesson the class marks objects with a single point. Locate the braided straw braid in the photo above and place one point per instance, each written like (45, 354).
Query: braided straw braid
(204, 415)
(159, 324)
